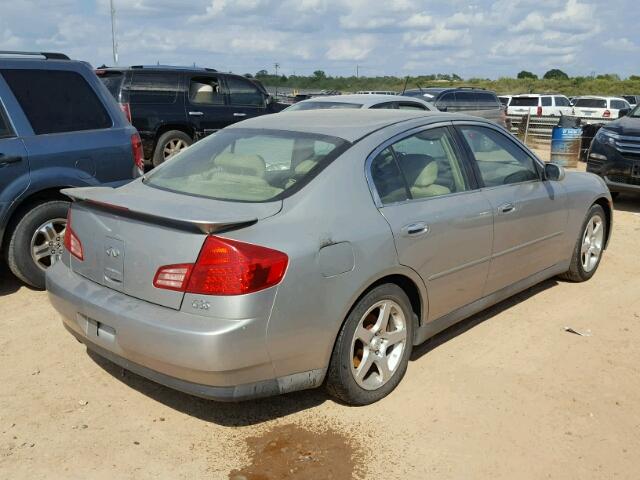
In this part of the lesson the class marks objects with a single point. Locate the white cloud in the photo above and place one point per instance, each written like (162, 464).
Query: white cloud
(621, 45)
(354, 48)
(438, 37)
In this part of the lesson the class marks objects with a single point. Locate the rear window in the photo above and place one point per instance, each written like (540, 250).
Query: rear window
(322, 105)
(153, 87)
(57, 101)
(590, 103)
(619, 104)
(524, 102)
(111, 80)
(247, 165)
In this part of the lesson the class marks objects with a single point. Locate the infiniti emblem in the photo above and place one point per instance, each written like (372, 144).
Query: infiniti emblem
(112, 252)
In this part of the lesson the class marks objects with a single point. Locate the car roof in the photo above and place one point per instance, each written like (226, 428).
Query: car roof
(365, 99)
(156, 68)
(539, 95)
(348, 124)
(598, 97)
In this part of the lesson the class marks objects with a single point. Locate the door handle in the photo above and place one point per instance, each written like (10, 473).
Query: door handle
(196, 114)
(238, 114)
(415, 229)
(506, 208)
(6, 160)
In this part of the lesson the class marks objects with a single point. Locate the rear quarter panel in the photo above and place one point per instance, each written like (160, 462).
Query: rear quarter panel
(311, 303)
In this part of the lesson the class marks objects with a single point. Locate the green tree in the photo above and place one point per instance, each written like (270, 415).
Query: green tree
(555, 74)
(455, 77)
(248, 75)
(262, 73)
(525, 74)
(319, 75)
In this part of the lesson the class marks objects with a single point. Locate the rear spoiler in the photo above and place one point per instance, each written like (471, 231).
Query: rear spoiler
(106, 199)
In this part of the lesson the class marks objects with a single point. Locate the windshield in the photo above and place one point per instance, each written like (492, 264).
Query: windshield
(590, 103)
(635, 113)
(524, 102)
(322, 105)
(247, 165)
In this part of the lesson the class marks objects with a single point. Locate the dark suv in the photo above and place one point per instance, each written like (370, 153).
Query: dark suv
(472, 101)
(615, 153)
(59, 128)
(173, 106)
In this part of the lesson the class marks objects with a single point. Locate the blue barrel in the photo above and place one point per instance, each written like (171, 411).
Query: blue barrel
(565, 146)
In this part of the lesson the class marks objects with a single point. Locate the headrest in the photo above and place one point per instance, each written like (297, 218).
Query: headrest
(303, 167)
(427, 176)
(251, 165)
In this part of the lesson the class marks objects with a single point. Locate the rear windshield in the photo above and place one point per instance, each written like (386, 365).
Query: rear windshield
(524, 102)
(247, 165)
(323, 105)
(590, 103)
(111, 80)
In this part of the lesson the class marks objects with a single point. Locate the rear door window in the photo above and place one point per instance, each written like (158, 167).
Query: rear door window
(57, 101)
(154, 87)
(447, 100)
(562, 102)
(487, 101)
(387, 178)
(244, 93)
(546, 101)
(385, 106)
(411, 106)
(206, 90)
(467, 100)
(618, 104)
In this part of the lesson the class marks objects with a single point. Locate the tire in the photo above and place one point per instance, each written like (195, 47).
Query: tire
(18, 252)
(163, 143)
(348, 360)
(577, 271)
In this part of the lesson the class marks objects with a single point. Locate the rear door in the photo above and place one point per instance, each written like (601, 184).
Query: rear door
(207, 104)
(72, 130)
(530, 213)
(442, 225)
(245, 98)
(14, 164)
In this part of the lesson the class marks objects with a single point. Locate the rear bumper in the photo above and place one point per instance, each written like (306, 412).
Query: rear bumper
(214, 358)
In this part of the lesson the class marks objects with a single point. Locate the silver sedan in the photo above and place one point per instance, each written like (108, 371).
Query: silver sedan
(290, 251)
(362, 100)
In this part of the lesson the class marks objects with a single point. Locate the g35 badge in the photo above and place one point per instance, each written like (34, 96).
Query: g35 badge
(200, 305)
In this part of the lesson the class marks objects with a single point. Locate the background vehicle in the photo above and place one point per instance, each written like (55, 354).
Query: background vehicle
(472, 101)
(615, 153)
(318, 245)
(505, 99)
(540, 105)
(362, 101)
(600, 107)
(59, 127)
(632, 99)
(172, 107)
(376, 92)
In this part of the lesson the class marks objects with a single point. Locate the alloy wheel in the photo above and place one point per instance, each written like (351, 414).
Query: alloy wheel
(592, 242)
(378, 344)
(47, 243)
(172, 147)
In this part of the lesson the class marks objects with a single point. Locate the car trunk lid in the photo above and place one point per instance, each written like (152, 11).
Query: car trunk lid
(129, 232)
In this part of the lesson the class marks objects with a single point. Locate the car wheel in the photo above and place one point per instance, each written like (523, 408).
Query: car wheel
(169, 144)
(372, 350)
(589, 246)
(37, 242)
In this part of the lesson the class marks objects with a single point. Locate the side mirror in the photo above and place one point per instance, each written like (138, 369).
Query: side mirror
(554, 172)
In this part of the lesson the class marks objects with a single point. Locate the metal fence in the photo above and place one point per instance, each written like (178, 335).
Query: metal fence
(540, 128)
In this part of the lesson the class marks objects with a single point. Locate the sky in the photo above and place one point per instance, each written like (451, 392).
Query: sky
(481, 38)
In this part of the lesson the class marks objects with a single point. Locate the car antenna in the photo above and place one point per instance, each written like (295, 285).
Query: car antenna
(406, 80)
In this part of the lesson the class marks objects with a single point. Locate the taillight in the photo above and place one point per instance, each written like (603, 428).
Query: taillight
(225, 267)
(127, 110)
(71, 240)
(138, 154)
(606, 114)
(173, 277)
(539, 112)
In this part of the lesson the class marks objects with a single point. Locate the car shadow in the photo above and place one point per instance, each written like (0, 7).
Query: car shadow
(474, 320)
(252, 412)
(627, 202)
(239, 414)
(8, 283)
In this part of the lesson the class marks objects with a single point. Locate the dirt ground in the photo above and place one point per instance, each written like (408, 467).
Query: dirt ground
(505, 394)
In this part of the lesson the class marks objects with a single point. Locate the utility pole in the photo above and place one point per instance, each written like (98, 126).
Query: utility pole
(277, 66)
(114, 43)
(357, 71)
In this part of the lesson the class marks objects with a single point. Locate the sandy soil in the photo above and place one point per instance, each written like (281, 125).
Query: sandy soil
(505, 394)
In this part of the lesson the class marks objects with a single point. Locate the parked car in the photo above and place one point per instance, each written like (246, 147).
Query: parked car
(472, 101)
(505, 99)
(615, 154)
(362, 101)
(600, 107)
(547, 105)
(318, 247)
(172, 107)
(632, 99)
(59, 127)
